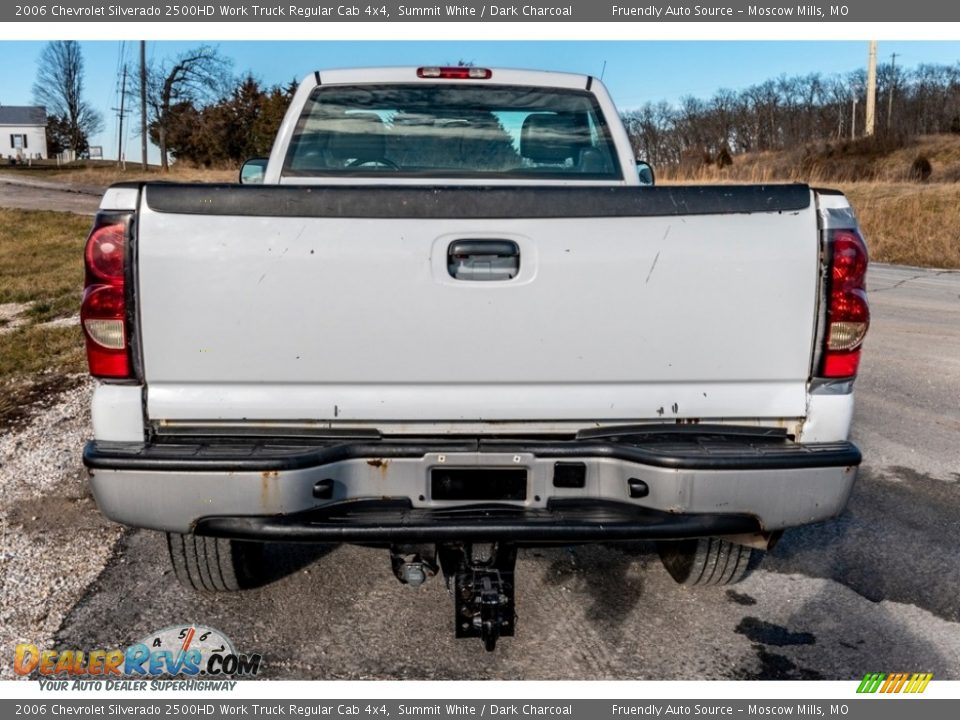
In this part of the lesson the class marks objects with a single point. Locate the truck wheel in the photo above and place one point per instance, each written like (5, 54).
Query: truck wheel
(215, 564)
(708, 561)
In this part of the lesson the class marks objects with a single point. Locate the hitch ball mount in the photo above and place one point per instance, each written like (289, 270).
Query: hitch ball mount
(480, 577)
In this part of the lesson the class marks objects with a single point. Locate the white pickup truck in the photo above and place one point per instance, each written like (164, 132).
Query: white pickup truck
(450, 318)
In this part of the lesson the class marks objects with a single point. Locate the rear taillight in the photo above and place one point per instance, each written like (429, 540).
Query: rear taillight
(455, 73)
(103, 313)
(848, 315)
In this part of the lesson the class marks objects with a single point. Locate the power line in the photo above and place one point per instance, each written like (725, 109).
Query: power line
(118, 91)
(120, 113)
(870, 117)
(893, 82)
(143, 103)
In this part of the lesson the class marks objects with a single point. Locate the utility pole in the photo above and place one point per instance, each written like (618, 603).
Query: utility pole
(143, 103)
(123, 95)
(893, 82)
(853, 120)
(871, 89)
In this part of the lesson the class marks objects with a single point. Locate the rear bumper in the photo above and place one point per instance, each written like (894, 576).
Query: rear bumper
(694, 483)
(397, 521)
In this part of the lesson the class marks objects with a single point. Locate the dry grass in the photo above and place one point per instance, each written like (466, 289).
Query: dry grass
(105, 176)
(909, 224)
(100, 175)
(752, 169)
(866, 160)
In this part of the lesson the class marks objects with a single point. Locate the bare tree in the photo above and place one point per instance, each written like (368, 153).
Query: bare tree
(193, 78)
(59, 88)
(807, 111)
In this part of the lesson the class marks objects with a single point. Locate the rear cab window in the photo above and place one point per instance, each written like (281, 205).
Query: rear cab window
(457, 131)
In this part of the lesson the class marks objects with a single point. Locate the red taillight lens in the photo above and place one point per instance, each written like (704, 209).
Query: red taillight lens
(848, 315)
(849, 265)
(455, 73)
(106, 247)
(103, 313)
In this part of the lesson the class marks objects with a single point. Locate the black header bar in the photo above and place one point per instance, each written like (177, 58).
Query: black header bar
(625, 11)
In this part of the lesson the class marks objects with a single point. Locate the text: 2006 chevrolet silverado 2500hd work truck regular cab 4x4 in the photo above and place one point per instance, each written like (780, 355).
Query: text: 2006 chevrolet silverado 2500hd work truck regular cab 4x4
(449, 321)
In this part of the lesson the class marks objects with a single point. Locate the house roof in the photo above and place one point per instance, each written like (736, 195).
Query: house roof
(22, 115)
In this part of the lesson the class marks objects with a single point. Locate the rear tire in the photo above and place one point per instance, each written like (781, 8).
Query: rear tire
(216, 564)
(708, 561)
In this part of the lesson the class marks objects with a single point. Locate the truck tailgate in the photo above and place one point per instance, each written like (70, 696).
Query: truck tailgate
(337, 305)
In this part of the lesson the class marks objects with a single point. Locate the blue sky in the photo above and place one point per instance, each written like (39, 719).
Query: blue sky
(636, 71)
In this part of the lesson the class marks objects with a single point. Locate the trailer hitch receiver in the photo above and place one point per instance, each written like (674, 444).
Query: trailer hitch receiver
(480, 576)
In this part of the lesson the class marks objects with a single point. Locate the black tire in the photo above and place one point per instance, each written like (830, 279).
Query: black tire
(708, 561)
(215, 564)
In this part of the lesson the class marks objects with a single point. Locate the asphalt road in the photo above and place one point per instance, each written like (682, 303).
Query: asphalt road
(29, 194)
(876, 589)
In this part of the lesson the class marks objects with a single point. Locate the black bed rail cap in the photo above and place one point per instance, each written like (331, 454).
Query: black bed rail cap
(405, 201)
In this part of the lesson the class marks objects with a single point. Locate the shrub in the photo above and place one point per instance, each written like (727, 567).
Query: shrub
(921, 169)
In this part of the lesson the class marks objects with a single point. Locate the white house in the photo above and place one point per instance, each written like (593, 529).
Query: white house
(23, 132)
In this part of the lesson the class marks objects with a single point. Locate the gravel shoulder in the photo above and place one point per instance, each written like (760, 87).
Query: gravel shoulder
(53, 542)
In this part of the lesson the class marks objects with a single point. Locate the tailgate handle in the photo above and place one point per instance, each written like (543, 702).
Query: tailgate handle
(483, 259)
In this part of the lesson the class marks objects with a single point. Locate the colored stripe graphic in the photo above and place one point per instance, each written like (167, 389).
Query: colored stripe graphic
(925, 680)
(870, 683)
(889, 682)
(894, 683)
(914, 683)
(900, 682)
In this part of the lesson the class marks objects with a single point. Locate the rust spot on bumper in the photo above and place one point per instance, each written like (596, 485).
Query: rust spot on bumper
(267, 485)
(380, 464)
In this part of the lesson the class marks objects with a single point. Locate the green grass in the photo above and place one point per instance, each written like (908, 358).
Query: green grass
(41, 265)
(41, 259)
(33, 349)
(37, 364)
(42, 311)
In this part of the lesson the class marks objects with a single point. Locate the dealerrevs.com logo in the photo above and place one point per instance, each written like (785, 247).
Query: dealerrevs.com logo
(887, 683)
(186, 651)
